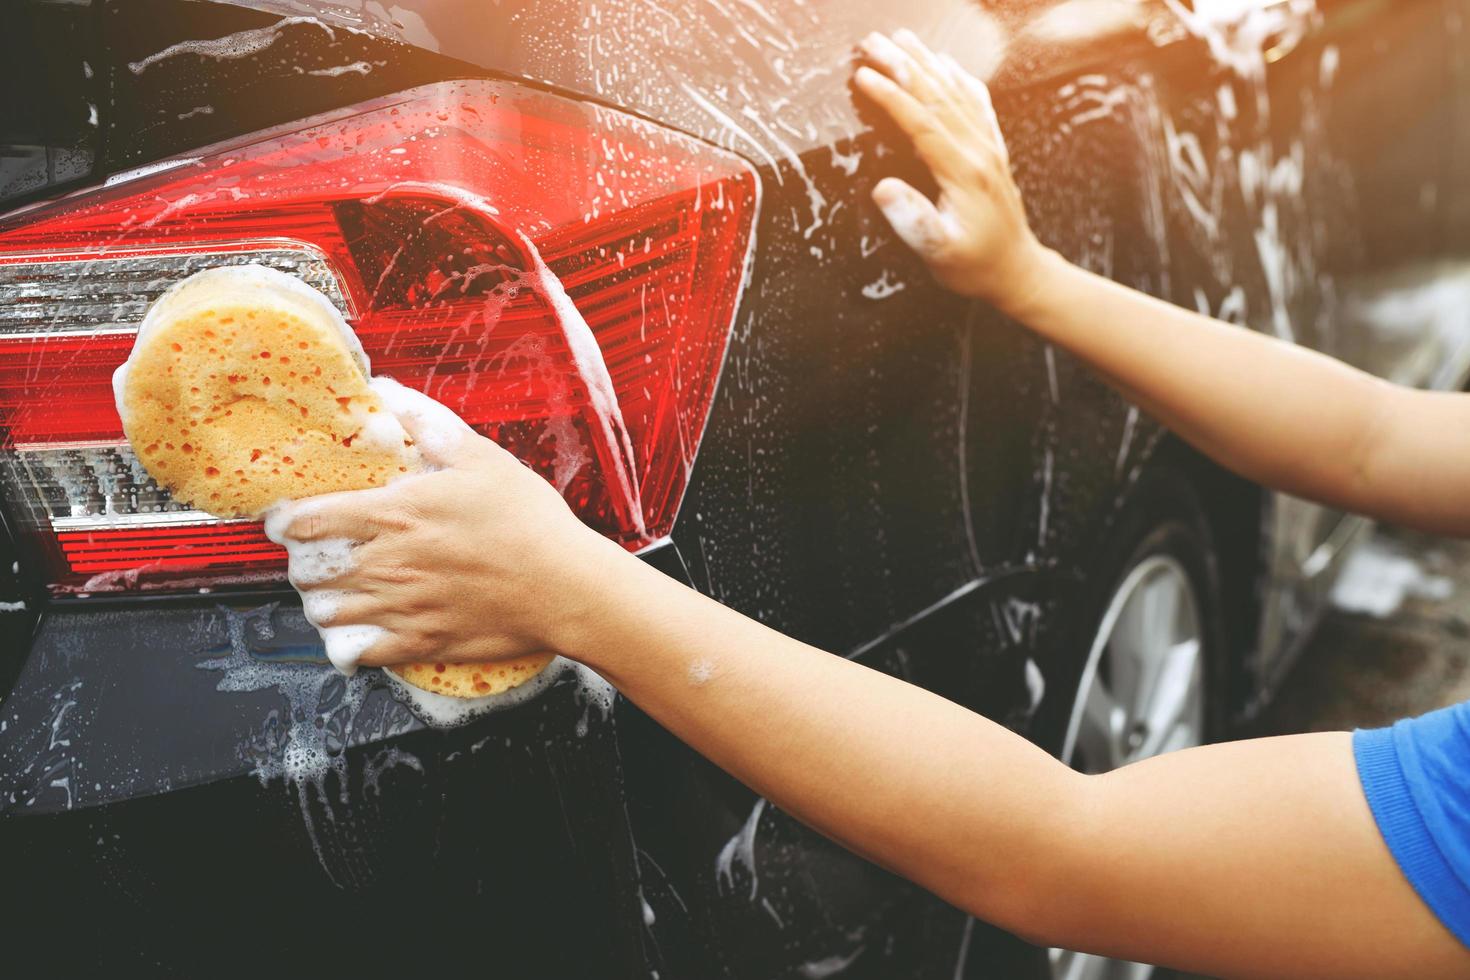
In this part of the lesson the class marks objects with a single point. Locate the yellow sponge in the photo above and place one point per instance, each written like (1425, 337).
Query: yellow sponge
(473, 680)
(246, 388)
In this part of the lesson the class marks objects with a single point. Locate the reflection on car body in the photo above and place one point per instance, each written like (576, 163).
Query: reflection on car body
(885, 471)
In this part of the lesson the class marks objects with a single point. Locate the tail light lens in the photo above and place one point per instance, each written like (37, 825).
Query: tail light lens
(563, 276)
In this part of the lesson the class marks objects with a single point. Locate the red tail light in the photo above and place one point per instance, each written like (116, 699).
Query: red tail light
(562, 276)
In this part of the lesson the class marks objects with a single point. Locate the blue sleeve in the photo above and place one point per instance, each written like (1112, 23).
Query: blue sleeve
(1416, 776)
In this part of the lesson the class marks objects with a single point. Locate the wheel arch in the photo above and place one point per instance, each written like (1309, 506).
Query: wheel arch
(1234, 510)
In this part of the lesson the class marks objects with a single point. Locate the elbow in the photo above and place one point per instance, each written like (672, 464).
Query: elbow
(1042, 892)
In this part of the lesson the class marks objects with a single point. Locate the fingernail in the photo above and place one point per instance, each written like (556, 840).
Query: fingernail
(906, 36)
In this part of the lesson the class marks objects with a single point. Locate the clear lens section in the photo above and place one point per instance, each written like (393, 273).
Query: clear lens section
(66, 324)
(47, 295)
(91, 486)
(99, 504)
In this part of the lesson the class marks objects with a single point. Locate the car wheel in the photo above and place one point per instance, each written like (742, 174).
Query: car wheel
(1150, 682)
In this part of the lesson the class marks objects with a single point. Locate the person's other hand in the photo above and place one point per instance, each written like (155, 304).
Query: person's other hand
(975, 238)
(477, 560)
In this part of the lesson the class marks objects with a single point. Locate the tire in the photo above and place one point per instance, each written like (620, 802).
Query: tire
(1151, 659)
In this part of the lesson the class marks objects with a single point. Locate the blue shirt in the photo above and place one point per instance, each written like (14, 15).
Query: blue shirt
(1417, 779)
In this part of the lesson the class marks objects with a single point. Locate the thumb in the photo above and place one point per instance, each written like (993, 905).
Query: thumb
(913, 216)
(438, 433)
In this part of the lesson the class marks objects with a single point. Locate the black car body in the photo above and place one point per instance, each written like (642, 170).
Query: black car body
(887, 471)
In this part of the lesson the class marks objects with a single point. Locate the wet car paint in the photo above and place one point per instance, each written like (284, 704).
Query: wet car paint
(890, 473)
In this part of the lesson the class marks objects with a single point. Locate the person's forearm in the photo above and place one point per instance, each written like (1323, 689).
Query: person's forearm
(1148, 863)
(919, 785)
(1271, 411)
(1278, 414)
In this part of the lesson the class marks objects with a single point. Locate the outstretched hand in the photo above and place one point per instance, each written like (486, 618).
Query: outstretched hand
(478, 559)
(975, 238)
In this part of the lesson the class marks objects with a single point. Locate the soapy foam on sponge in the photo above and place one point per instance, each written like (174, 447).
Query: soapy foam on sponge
(439, 429)
(246, 389)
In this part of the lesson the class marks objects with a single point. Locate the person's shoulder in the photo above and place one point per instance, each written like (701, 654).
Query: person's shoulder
(1435, 747)
(1449, 722)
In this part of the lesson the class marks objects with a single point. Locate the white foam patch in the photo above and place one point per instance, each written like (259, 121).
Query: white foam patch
(241, 44)
(1376, 581)
(914, 220)
(740, 850)
(437, 431)
(357, 67)
(1035, 685)
(829, 966)
(373, 768)
(1239, 32)
(381, 430)
(277, 519)
(322, 605)
(442, 711)
(884, 287)
(313, 563)
(346, 645)
(304, 755)
(1072, 21)
(120, 383)
(593, 691)
(317, 562)
(701, 672)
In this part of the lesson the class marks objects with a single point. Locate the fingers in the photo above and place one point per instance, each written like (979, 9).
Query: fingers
(880, 51)
(932, 142)
(956, 98)
(947, 135)
(356, 515)
(349, 624)
(894, 62)
(906, 60)
(917, 71)
(909, 113)
(324, 562)
(913, 216)
(908, 42)
(348, 646)
(390, 650)
(333, 607)
(979, 94)
(438, 432)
